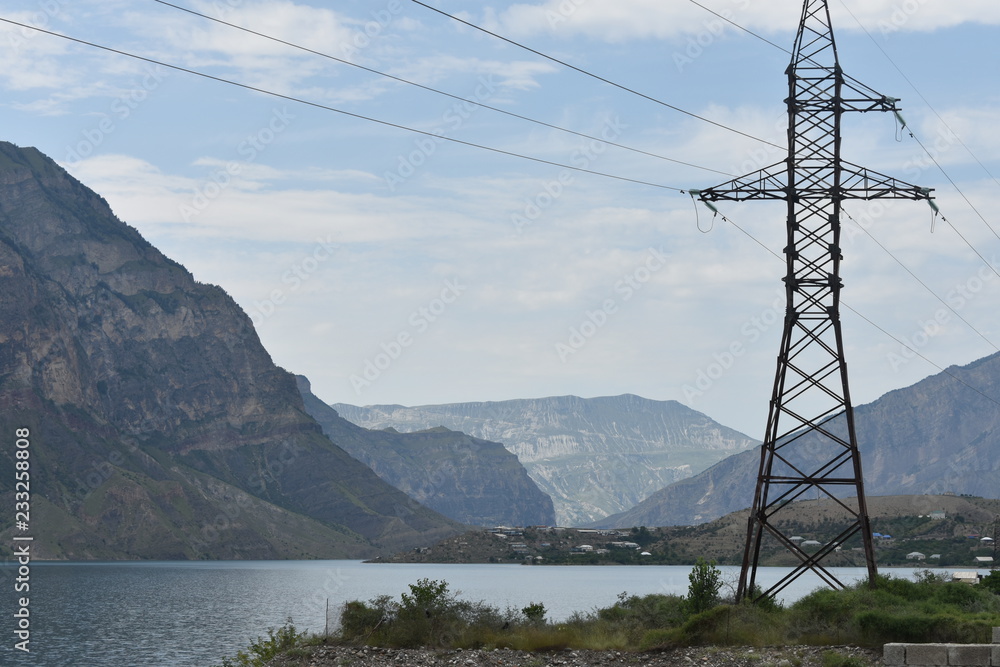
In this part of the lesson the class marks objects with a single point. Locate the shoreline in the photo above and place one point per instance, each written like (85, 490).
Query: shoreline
(702, 656)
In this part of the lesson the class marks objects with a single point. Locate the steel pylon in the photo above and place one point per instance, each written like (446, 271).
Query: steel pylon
(810, 443)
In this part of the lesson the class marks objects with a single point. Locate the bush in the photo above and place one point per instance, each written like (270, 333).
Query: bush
(991, 582)
(534, 612)
(429, 615)
(262, 650)
(632, 612)
(360, 620)
(896, 610)
(703, 591)
(834, 659)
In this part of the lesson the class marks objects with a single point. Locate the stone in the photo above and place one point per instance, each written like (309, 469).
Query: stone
(926, 654)
(996, 655)
(969, 655)
(996, 635)
(894, 654)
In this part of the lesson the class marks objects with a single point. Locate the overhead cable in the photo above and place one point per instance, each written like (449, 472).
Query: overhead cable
(435, 90)
(325, 107)
(596, 76)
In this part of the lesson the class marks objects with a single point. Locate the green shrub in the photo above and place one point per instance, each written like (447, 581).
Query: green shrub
(645, 612)
(896, 610)
(662, 638)
(879, 626)
(743, 625)
(834, 659)
(958, 594)
(359, 620)
(534, 612)
(703, 591)
(263, 650)
(991, 582)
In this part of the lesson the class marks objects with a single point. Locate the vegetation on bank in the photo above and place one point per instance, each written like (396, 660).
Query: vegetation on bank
(902, 525)
(929, 609)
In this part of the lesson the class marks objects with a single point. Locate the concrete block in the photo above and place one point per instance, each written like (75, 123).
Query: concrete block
(969, 655)
(996, 655)
(996, 635)
(926, 654)
(894, 655)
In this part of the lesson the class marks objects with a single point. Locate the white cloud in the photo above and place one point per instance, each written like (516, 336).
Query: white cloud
(653, 19)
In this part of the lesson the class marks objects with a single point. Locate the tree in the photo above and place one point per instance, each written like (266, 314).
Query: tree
(703, 592)
(642, 536)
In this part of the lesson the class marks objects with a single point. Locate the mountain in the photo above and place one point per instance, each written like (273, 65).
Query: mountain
(467, 479)
(158, 426)
(940, 435)
(593, 456)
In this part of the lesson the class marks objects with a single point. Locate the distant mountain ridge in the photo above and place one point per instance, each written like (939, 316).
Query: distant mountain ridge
(593, 456)
(159, 426)
(467, 479)
(940, 435)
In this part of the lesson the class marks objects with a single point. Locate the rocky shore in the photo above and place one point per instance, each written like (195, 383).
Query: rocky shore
(784, 656)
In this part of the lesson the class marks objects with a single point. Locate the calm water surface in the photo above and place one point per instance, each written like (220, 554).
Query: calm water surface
(191, 614)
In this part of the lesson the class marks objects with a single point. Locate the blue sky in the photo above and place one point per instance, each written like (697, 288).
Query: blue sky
(391, 267)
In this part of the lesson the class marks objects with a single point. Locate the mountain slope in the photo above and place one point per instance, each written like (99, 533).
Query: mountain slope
(939, 435)
(467, 479)
(160, 427)
(592, 456)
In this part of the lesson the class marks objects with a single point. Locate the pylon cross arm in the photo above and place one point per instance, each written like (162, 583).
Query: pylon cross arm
(863, 183)
(768, 183)
(856, 182)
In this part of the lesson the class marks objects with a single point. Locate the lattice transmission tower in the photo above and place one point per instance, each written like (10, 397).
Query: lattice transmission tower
(810, 443)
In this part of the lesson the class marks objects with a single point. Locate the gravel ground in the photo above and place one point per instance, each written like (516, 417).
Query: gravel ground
(786, 656)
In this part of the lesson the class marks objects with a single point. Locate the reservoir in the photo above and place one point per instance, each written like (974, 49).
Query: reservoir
(192, 613)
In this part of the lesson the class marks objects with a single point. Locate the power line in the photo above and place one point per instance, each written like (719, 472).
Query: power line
(869, 321)
(919, 94)
(335, 110)
(595, 76)
(934, 111)
(909, 130)
(737, 25)
(922, 283)
(435, 90)
(456, 141)
(912, 135)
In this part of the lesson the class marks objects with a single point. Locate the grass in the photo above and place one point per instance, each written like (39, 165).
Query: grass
(895, 610)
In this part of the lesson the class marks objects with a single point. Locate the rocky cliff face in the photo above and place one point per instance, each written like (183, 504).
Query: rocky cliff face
(941, 435)
(160, 426)
(467, 479)
(594, 457)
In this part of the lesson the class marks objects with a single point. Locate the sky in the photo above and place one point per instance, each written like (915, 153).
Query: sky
(390, 266)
